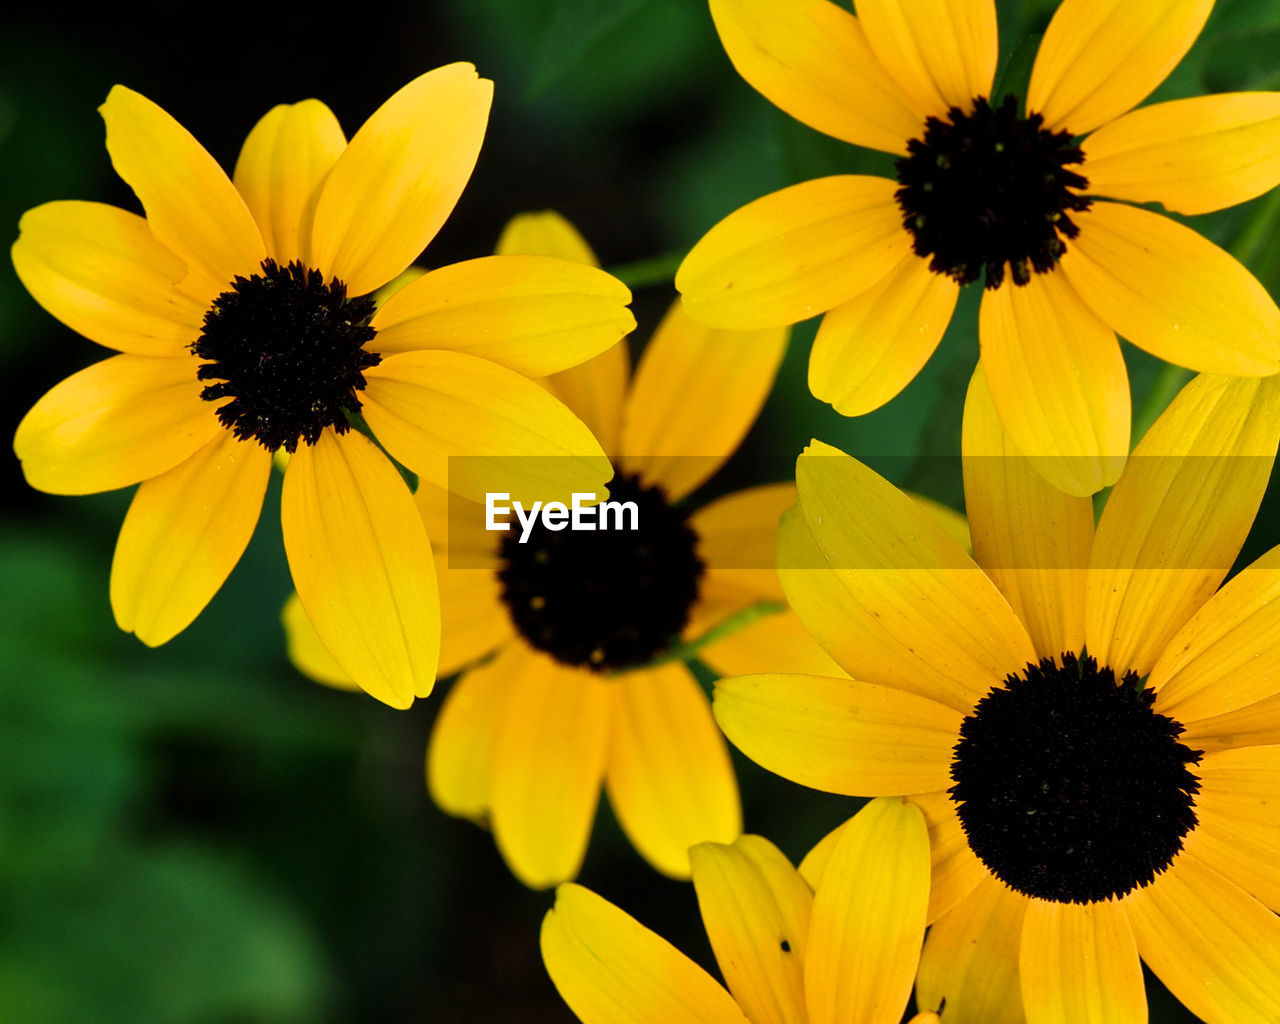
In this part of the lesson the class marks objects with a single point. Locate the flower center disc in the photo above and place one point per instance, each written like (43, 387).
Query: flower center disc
(606, 599)
(989, 188)
(288, 350)
(1069, 787)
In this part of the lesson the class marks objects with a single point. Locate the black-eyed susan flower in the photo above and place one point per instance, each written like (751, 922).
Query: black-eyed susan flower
(566, 704)
(1072, 713)
(241, 312)
(789, 955)
(1008, 194)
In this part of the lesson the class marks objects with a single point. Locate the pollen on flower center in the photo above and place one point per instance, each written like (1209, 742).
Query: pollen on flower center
(606, 599)
(288, 349)
(988, 188)
(1069, 786)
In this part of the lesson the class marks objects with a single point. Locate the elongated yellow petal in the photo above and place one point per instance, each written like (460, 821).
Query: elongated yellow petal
(970, 959)
(956, 870)
(533, 314)
(125, 419)
(362, 565)
(1099, 58)
(1058, 382)
(474, 427)
(1228, 655)
(473, 620)
(1253, 725)
(871, 347)
(192, 207)
(839, 735)
(1172, 292)
(1176, 520)
(1215, 947)
(549, 760)
(1193, 155)
(794, 253)
(1239, 831)
(307, 652)
(611, 969)
(101, 272)
(282, 164)
(545, 233)
(1080, 963)
(668, 776)
(868, 918)
(811, 59)
(1031, 538)
(399, 178)
(695, 394)
(774, 643)
(461, 752)
(942, 55)
(184, 532)
(914, 610)
(756, 908)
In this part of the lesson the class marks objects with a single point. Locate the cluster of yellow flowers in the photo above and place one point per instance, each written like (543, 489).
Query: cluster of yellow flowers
(1069, 726)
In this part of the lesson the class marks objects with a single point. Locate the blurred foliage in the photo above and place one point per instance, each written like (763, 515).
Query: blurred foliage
(197, 835)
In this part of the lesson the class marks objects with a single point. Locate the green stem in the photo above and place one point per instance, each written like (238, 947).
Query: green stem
(1259, 232)
(689, 648)
(649, 273)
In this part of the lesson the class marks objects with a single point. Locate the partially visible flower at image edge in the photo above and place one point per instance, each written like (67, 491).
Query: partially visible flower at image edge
(984, 189)
(1089, 724)
(242, 314)
(789, 954)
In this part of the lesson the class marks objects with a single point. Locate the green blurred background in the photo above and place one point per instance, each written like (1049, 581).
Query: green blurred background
(196, 834)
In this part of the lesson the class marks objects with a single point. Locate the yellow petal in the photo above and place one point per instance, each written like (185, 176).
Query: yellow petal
(399, 178)
(595, 392)
(669, 778)
(1032, 539)
(794, 253)
(308, 654)
(125, 419)
(100, 271)
(1228, 655)
(871, 347)
(1194, 155)
(1176, 520)
(611, 969)
(1099, 58)
(1058, 382)
(942, 55)
(461, 752)
(970, 958)
(192, 207)
(1253, 725)
(1215, 947)
(533, 314)
(811, 59)
(839, 735)
(756, 907)
(956, 870)
(473, 619)
(696, 392)
(1239, 831)
(184, 532)
(913, 610)
(1079, 963)
(736, 538)
(868, 918)
(545, 233)
(773, 643)
(362, 565)
(475, 427)
(549, 760)
(457, 531)
(282, 164)
(1172, 292)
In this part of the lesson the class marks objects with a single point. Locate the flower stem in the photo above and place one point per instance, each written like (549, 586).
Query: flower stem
(649, 273)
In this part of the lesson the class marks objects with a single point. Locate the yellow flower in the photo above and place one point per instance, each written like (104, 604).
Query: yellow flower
(983, 188)
(240, 310)
(1080, 817)
(525, 740)
(790, 955)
